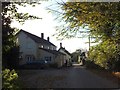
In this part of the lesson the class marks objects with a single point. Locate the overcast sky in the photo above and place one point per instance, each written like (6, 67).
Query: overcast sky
(47, 25)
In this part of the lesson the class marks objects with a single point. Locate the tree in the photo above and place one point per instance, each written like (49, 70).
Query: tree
(76, 54)
(8, 40)
(9, 79)
(97, 16)
(10, 49)
(103, 21)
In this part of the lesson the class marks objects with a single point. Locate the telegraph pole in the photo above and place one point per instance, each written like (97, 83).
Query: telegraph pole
(89, 41)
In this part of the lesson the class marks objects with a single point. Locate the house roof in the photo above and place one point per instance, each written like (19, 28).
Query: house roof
(36, 38)
(64, 50)
(52, 51)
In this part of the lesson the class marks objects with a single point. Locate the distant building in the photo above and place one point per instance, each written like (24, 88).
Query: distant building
(68, 55)
(34, 49)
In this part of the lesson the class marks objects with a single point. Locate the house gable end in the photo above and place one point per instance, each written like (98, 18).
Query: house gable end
(64, 51)
(25, 36)
(36, 38)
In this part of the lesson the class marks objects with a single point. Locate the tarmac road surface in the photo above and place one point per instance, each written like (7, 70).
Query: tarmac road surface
(71, 77)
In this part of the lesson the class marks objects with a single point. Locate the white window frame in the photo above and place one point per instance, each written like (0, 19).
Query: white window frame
(29, 57)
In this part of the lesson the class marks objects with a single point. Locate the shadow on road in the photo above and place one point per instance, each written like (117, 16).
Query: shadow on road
(70, 77)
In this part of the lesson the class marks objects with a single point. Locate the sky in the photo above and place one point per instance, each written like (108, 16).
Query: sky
(47, 25)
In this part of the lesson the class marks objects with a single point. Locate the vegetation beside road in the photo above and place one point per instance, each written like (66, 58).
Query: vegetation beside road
(100, 71)
(101, 22)
(106, 74)
(10, 49)
(10, 79)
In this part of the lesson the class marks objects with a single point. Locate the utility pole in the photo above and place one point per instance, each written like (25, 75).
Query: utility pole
(89, 41)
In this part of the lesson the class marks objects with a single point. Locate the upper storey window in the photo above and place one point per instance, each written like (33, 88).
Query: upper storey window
(41, 46)
(53, 48)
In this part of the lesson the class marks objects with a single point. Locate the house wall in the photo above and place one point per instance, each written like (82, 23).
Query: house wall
(60, 60)
(67, 57)
(43, 54)
(51, 47)
(27, 47)
(39, 53)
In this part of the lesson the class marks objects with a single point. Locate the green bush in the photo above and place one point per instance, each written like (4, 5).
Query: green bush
(9, 79)
(106, 54)
(92, 65)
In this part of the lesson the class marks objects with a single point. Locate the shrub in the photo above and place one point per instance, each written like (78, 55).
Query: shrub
(106, 54)
(92, 65)
(9, 79)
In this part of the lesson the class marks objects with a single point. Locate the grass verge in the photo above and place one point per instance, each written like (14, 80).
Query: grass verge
(113, 76)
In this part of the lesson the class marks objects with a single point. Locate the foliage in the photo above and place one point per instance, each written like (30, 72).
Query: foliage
(75, 55)
(10, 9)
(91, 65)
(105, 54)
(9, 79)
(97, 16)
(10, 49)
(103, 22)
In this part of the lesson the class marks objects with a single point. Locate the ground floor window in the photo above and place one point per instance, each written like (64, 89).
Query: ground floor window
(30, 57)
(48, 59)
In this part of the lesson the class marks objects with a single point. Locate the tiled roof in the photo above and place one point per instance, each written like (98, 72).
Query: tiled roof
(36, 38)
(52, 51)
(65, 50)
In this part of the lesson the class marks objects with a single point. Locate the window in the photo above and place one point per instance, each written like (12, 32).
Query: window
(29, 57)
(48, 59)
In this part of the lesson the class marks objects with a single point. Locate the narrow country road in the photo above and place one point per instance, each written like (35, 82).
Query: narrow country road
(71, 77)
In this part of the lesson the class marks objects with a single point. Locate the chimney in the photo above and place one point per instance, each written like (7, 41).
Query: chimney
(42, 35)
(48, 38)
(60, 45)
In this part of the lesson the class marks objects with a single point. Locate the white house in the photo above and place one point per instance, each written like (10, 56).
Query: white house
(67, 54)
(52, 56)
(34, 49)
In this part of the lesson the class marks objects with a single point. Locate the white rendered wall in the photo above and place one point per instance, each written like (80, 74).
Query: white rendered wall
(27, 46)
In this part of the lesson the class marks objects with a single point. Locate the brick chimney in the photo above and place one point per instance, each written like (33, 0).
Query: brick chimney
(42, 35)
(48, 38)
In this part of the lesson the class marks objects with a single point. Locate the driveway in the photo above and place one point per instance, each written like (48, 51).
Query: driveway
(71, 77)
